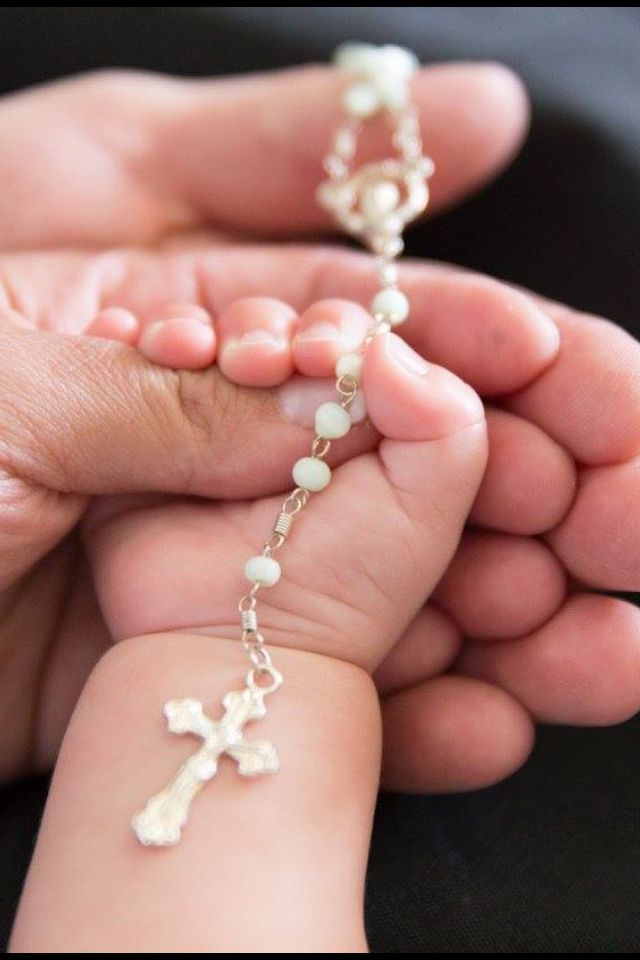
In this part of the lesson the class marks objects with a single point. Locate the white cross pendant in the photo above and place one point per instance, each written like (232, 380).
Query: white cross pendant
(160, 823)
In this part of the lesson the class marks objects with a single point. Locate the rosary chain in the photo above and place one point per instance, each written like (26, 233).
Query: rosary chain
(374, 203)
(252, 639)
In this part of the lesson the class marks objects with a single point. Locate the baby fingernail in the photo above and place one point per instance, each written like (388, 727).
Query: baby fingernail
(318, 331)
(326, 330)
(429, 389)
(150, 334)
(401, 354)
(178, 310)
(345, 335)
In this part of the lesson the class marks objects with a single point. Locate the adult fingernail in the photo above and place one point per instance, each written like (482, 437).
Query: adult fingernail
(300, 397)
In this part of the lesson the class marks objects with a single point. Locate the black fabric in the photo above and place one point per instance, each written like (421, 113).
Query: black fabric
(548, 861)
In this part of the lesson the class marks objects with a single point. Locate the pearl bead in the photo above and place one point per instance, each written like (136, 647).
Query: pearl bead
(392, 305)
(345, 144)
(388, 69)
(311, 474)
(352, 56)
(366, 59)
(388, 275)
(399, 60)
(389, 247)
(332, 421)
(393, 90)
(379, 199)
(350, 365)
(361, 100)
(263, 570)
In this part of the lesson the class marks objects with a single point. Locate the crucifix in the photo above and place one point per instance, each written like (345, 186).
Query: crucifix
(160, 823)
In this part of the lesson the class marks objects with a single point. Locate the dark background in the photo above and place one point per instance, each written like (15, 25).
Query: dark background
(548, 861)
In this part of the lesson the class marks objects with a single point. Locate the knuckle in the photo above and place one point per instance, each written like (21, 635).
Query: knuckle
(198, 414)
(208, 407)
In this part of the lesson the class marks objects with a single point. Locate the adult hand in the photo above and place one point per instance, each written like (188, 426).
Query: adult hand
(169, 173)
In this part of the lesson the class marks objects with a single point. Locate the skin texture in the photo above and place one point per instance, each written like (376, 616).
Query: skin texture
(162, 210)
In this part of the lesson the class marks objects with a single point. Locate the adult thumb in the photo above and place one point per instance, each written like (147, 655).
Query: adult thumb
(82, 417)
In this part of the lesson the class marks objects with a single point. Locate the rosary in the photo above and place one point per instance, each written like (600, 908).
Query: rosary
(373, 203)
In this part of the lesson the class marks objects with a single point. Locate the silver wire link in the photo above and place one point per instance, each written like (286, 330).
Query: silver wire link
(320, 448)
(274, 542)
(249, 620)
(294, 502)
(380, 325)
(254, 683)
(283, 524)
(347, 389)
(260, 658)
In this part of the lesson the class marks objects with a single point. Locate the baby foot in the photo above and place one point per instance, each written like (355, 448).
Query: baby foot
(256, 341)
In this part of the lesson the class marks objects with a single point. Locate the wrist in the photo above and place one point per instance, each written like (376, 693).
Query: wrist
(295, 843)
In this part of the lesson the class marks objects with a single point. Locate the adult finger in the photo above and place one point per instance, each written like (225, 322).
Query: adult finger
(588, 400)
(430, 643)
(143, 156)
(494, 337)
(599, 540)
(451, 734)
(530, 480)
(582, 667)
(499, 586)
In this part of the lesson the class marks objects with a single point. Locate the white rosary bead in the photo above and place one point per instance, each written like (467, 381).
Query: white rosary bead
(379, 199)
(350, 365)
(392, 305)
(345, 143)
(311, 474)
(332, 421)
(368, 60)
(387, 69)
(361, 100)
(388, 274)
(263, 570)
